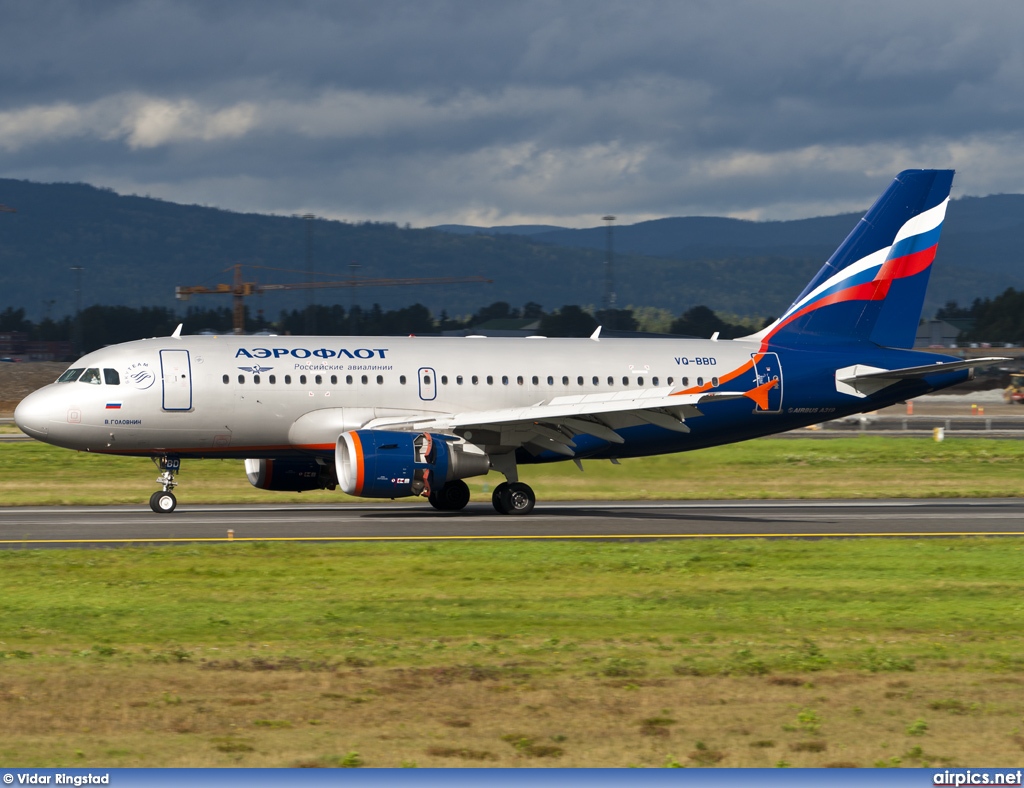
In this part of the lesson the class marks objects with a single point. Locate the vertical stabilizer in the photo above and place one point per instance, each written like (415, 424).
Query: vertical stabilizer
(872, 289)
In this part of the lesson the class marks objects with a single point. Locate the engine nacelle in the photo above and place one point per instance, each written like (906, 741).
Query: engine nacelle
(290, 475)
(380, 464)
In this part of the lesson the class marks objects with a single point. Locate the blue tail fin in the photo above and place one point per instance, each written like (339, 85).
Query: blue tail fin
(872, 289)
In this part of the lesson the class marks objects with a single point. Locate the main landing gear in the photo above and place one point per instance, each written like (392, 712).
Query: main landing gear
(451, 497)
(513, 498)
(163, 501)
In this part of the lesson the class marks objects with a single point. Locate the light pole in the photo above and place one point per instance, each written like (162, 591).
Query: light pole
(609, 273)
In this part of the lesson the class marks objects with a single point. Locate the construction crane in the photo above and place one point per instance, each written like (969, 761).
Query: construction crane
(239, 289)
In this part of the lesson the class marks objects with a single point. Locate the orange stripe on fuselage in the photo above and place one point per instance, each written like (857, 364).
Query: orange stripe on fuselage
(721, 379)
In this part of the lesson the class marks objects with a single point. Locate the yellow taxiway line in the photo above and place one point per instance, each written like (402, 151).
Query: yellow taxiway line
(481, 537)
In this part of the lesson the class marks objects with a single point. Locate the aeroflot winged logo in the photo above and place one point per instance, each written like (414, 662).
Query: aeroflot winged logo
(302, 352)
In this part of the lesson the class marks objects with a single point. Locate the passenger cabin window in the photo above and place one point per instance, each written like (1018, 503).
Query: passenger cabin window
(639, 381)
(625, 380)
(71, 375)
(475, 380)
(241, 378)
(444, 380)
(714, 382)
(700, 381)
(611, 381)
(401, 379)
(111, 378)
(348, 379)
(551, 380)
(490, 380)
(685, 381)
(596, 381)
(287, 379)
(426, 380)
(302, 379)
(535, 380)
(670, 380)
(380, 380)
(504, 380)
(226, 379)
(272, 379)
(458, 379)
(256, 379)
(319, 379)
(334, 380)
(366, 380)
(90, 376)
(654, 381)
(565, 380)
(519, 380)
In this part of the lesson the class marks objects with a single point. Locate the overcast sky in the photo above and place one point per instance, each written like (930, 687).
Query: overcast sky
(484, 112)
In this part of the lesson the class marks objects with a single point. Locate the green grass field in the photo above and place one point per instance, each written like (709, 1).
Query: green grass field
(868, 652)
(855, 467)
(742, 653)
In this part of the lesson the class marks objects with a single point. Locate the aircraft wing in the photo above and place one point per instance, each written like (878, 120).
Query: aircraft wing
(862, 380)
(552, 424)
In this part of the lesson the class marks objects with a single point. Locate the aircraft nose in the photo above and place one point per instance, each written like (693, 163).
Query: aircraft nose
(33, 415)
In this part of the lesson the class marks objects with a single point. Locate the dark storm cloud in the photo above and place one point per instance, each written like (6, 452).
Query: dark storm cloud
(494, 113)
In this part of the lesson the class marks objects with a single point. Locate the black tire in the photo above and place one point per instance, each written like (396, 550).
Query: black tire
(450, 498)
(496, 498)
(456, 495)
(163, 502)
(518, 498)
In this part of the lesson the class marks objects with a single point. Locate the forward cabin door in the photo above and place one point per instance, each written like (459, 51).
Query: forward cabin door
(177, 379)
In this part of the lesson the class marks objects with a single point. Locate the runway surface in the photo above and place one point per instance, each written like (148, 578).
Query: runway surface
(122, 525)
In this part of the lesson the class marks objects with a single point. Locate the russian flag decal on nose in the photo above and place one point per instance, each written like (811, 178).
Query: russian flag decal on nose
(113, 406)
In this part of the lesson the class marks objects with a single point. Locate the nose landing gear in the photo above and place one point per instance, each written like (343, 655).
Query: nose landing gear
(163, 501)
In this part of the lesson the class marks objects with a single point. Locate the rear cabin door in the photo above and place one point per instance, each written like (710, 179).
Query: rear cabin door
(767, 367)
(177, 379)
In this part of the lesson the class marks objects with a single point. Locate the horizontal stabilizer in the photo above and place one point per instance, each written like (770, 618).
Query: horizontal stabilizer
(861, 380)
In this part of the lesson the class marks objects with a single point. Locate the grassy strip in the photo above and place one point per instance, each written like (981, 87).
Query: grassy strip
(855, 467)
(715, 652)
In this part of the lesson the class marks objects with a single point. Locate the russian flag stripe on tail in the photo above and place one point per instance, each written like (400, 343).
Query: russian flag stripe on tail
(872, 289)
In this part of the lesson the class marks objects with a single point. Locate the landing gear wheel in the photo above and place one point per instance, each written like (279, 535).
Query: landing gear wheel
(450, 498)
(163, 502)
(517, 498)
(496, 498)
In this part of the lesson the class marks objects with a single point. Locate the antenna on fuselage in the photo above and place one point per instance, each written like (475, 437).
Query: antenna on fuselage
(177, 331)
(596, 336)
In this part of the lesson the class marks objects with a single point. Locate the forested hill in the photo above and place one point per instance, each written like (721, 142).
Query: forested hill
(135, 250)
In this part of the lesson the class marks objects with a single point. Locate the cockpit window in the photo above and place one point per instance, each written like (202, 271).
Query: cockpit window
(91, 375)
(111, 378)
(71, 375)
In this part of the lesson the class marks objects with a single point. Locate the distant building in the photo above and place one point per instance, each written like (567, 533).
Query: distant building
(939, 332)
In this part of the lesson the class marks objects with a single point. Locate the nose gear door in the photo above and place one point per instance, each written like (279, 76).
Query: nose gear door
(767, 368)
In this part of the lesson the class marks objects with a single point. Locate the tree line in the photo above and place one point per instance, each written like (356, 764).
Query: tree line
(999, 319)
(98, 325)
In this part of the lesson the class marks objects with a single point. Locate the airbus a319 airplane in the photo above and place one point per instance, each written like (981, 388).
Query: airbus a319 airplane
(390, 417)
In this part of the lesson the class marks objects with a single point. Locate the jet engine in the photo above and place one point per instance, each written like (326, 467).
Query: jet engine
(380, 464)
(290, 475)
